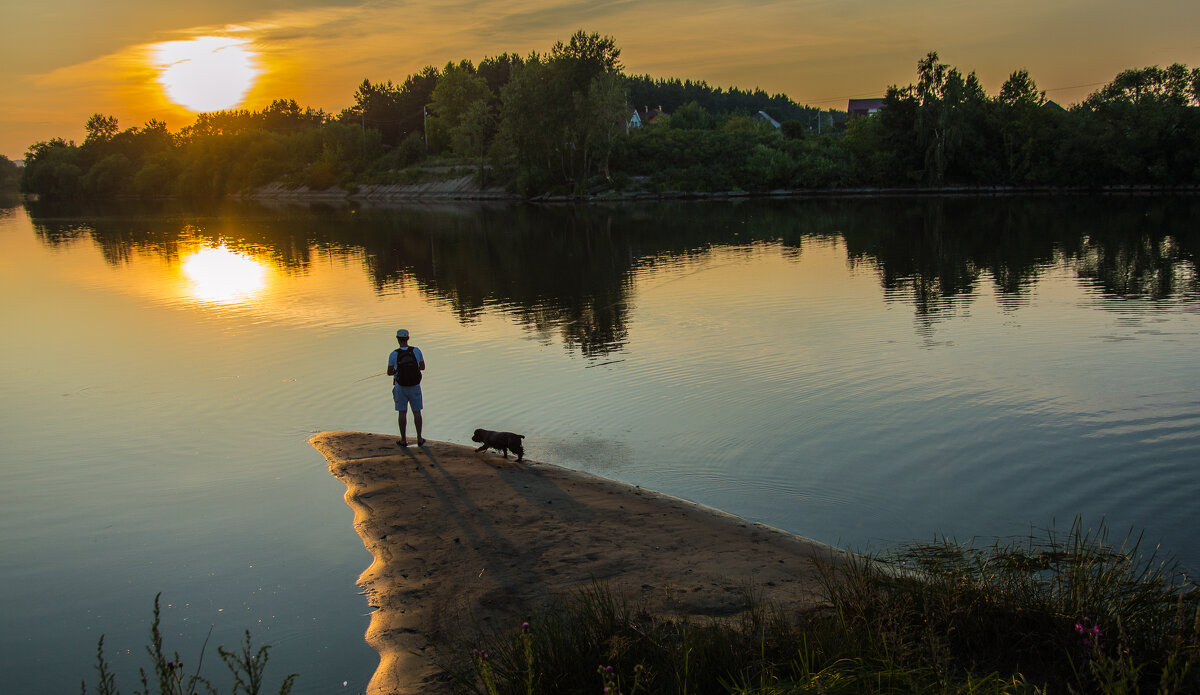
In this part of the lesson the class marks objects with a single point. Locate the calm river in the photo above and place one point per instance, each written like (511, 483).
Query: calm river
(861, 372)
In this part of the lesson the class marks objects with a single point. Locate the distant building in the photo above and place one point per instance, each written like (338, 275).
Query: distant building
(766, 118)
(863, 107)
(641, 117)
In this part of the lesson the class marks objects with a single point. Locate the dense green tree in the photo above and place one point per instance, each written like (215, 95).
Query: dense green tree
(112, 175)
(415, 95)
(229, 122)
(1171, 86)
(155, 178)
(601, 117)
(947, 124)
(1020, 115)
(10, 173)
(470, 138)
(462, 95)
(1141, 128)
(99, 128)
(395, 111)
(410, 151)
(866, 141)
(52, 169)
(942, 130)
(98, 141)
(376, 103)
(530, 123)
(560, 113)
(1019, 91)
(498, 71)
(286, 116)
(793, 130)
(584, 58)
(151, 139)
(691, 116)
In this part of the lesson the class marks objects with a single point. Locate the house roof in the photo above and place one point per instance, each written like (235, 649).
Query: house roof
(764, 116)
(867, 105)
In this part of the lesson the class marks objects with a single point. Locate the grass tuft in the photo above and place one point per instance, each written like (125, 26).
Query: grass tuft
(1050, 613)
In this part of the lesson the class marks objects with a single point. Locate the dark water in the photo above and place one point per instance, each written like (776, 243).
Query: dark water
(861, 372)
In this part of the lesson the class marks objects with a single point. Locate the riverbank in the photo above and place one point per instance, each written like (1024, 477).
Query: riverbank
(465, 189)
(462, 188)
(461, 539)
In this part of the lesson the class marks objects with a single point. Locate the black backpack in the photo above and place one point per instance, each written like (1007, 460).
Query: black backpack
(408, 371)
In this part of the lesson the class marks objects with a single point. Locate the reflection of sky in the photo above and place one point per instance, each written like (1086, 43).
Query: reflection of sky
(210, 277)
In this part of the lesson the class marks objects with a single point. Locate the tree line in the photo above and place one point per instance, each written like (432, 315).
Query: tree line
(1142, 128)
(559, 123)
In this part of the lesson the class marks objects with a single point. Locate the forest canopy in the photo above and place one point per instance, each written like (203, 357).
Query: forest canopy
(570, 121)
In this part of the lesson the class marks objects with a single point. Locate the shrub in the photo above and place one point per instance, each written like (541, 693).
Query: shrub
(152, 180)
(321, 175)
(410, 151)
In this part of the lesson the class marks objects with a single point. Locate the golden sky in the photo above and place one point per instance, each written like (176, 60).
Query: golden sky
(62, 60)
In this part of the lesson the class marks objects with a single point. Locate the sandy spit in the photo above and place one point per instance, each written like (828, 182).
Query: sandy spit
(461, 538)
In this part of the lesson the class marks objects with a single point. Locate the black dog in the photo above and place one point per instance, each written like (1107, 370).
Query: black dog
(500, 441)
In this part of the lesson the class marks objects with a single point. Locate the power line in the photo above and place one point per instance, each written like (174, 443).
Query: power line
(1078, 86)
(860, 95)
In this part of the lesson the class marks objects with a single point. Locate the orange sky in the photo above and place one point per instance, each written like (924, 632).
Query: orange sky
(66, 59)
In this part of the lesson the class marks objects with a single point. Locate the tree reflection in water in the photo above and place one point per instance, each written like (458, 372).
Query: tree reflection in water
(569, 270)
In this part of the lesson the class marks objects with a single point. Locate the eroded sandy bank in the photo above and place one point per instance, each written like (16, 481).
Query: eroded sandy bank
(460, 537)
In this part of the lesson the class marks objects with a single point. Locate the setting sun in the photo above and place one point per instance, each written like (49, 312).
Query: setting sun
(209, 73)
(219, 274)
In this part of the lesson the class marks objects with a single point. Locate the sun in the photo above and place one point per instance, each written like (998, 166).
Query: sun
(207, 73)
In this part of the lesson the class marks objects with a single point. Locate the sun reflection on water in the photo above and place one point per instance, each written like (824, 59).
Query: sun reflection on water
(222, 275)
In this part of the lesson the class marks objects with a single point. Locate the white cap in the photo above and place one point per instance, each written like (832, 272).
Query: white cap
(402, 333)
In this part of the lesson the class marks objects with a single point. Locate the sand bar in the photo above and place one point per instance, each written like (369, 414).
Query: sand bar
(455, 533)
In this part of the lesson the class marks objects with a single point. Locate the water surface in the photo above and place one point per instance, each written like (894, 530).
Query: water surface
(859, 372)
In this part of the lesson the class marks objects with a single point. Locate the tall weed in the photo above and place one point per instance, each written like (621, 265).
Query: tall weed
(168, 677)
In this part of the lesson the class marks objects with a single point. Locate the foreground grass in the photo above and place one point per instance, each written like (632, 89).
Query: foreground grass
(167, 675)
(1069, 614)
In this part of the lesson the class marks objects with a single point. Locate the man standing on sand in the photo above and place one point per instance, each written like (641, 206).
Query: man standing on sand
(405, 365)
